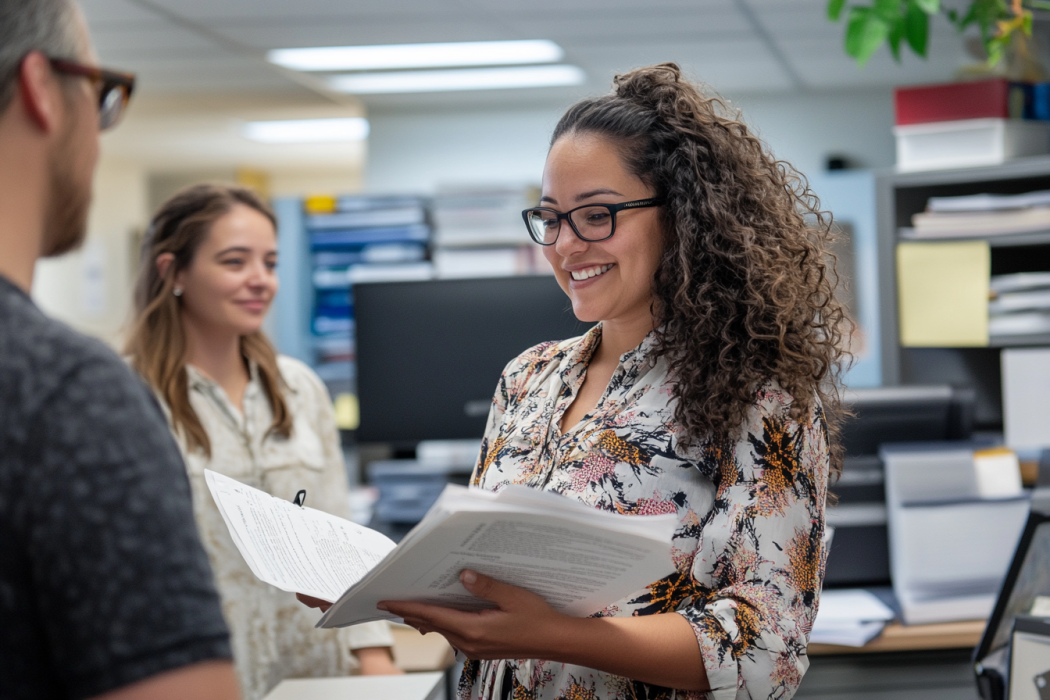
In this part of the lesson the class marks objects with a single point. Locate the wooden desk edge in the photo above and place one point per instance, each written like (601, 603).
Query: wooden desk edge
(898, 637)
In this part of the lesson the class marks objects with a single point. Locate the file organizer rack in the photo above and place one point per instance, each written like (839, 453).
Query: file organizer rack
(323, 250)
(898, 197)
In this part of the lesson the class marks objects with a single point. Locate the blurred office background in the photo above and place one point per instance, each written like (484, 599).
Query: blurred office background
(203, 73)
(419, 184)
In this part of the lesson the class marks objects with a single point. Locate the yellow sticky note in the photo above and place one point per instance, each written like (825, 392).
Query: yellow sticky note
(320, 204)
(942, 293)
(347, 413)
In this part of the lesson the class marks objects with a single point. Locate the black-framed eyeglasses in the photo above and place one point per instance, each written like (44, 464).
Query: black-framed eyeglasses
(591, 222)
(114, 89)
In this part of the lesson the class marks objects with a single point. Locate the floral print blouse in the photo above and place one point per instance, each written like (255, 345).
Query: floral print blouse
(748, 548)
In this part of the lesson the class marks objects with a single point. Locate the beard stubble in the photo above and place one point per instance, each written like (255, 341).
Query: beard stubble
(65, 226)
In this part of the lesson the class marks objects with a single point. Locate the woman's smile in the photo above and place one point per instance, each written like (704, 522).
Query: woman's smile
(590, 272)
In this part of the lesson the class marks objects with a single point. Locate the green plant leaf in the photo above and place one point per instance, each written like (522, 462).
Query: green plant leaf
(1038, 4)
(894, 39)
(888, 10)
(1026, 24)
(917, 28)
(986, 14)
(835, 9)
(864, 34)
(930, 7)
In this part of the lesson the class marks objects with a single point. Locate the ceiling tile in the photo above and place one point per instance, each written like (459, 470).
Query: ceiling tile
(100, 13)
(634, 26)
(344, 32)
(197, 72)
(743, 64)
(599, 6)
(826, 65)
(285, 9)
(145, 40)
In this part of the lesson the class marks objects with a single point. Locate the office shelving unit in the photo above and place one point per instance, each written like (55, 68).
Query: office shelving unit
(326, 244)
(901, 195)
(478, 232)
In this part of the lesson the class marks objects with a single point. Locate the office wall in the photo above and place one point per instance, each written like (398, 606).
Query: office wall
(91, 288)
(421, 151)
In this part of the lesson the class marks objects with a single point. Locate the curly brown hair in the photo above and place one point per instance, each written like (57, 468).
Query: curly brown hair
(745, 291)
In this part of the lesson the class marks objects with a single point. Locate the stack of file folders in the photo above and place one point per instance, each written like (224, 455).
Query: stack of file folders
(1020, 305)
(981, 216)
(478, 232)
(360, 239)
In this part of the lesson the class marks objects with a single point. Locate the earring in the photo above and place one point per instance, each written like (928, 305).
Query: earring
(177, 291)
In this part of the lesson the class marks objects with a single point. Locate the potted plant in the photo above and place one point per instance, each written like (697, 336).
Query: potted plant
(1005, 28)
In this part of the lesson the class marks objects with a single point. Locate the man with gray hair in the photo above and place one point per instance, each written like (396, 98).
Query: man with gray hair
(105, 590)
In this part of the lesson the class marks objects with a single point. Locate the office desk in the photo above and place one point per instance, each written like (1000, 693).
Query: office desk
(898, 637)
(411, 686)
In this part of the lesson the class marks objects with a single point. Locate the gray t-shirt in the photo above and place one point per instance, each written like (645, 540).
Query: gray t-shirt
(103, 581)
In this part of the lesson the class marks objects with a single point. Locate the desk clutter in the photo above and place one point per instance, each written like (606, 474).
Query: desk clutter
(955, 510)
(968, 286)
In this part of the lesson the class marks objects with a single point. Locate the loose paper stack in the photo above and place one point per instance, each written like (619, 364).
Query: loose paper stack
(849, 617)
(579, 559)
(981, 215)
(1020, 304)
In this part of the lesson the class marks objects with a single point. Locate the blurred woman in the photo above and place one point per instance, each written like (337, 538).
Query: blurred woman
(206, 282)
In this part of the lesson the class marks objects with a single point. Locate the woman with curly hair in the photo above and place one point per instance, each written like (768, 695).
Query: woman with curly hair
(705, 391)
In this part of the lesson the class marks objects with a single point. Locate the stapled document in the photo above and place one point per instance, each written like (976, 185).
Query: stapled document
(579, 559)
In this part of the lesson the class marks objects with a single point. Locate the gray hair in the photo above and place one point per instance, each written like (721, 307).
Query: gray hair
(49, 26)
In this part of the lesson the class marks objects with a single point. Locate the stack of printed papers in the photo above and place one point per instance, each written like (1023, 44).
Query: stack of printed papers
(849, 617)
(578, 558)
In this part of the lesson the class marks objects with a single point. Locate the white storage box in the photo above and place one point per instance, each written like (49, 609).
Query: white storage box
(968, 142)
(949, 547)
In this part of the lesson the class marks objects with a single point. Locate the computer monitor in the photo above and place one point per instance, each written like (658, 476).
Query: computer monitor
(430, 353)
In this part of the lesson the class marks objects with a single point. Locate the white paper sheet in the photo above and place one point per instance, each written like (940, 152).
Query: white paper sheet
(296, 549)
(851, 605)
(849, 617)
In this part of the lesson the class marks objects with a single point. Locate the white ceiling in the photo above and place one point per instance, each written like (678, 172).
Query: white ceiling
(181, 47)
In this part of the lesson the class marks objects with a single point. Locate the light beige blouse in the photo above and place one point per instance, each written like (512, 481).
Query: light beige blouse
(273, 634)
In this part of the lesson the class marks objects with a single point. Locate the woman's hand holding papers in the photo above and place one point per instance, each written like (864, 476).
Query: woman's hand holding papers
(660, 649)
(520, 628)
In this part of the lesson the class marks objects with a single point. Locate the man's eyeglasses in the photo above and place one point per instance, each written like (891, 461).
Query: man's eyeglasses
(114, 89)
(591, 222)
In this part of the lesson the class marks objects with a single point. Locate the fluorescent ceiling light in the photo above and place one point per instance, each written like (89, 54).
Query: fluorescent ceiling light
(469, 79)
(308, 130)
(471, 53)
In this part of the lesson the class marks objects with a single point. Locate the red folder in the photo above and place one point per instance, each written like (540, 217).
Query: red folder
(977, 99)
